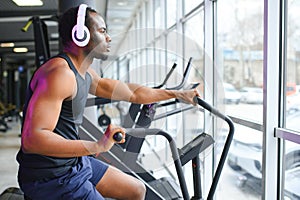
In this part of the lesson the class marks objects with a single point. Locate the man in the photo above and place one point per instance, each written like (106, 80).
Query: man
(54, 162)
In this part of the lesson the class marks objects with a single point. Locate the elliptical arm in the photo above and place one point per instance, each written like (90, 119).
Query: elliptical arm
(184, 78)
(226, 146)
(167, 77)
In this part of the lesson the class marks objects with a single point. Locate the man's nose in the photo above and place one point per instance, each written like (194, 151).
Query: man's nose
(108, 38)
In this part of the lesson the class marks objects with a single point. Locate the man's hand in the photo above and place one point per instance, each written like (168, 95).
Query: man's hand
(107, 140)
(187, 96)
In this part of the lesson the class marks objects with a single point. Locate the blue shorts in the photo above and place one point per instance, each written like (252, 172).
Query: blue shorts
(79, 183)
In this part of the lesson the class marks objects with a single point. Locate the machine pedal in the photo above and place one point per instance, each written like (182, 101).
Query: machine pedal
(195, 147)
(167, 187)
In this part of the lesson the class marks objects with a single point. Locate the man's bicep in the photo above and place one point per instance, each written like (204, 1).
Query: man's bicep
(45, 103)
(42, 112)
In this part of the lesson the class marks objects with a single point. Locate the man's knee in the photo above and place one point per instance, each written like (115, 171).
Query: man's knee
(139, 191)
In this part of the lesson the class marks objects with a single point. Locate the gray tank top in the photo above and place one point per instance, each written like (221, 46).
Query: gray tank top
(34, 167)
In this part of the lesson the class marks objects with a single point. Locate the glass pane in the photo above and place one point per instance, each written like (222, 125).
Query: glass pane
(190, 5)
(194, 45)
(240, 40)
(159, 14)
(171, 12)
(242, 174)
(292, 171)
(292, 105)
(175, 52)
(239, 91)
(293, 66)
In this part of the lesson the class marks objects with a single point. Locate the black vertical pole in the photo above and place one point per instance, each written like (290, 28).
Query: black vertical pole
(196, 179)
(42, 51)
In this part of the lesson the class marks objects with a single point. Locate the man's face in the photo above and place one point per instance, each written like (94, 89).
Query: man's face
(99, 43)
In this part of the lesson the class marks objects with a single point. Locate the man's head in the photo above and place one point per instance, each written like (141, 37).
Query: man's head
(68, 20)
(99, 39)
(80, 33)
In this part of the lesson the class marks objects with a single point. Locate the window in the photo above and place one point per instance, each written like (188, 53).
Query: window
(291, 172)
(240, 66)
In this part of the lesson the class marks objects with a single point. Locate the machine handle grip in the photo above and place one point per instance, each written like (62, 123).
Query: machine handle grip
(118, 136)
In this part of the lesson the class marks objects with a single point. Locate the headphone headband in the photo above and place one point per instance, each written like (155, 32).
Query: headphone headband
(80, 33)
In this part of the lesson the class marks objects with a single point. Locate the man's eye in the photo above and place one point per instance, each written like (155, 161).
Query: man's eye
(103, 31)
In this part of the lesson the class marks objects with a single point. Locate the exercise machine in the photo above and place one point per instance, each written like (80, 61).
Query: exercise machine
(125, 156)
(140, 118)
(166, 188)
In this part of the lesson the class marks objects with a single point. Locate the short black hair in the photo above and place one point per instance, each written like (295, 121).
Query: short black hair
(68, 20)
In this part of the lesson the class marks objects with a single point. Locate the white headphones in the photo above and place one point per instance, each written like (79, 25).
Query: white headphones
(80, 33)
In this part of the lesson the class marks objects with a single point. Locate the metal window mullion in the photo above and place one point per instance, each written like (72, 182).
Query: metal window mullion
(209, 37)
(282, 90)
(271, 98)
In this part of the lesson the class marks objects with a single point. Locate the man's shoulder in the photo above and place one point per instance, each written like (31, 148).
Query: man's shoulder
(57, 67)
(58, 61)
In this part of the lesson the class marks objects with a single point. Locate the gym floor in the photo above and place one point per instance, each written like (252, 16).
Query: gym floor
(9, 146)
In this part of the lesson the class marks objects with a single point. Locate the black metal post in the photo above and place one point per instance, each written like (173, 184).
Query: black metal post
(197, 179)
(177, 164)
(42, 51)
(226, 146)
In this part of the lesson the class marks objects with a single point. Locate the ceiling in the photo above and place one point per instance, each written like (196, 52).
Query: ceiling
(117, 13)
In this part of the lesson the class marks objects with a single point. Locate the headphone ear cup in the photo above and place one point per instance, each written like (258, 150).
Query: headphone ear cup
(81, 42)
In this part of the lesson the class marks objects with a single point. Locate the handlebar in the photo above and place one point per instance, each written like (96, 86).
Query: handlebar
(118, 136)
(184, 78)
(226, 146)
(167, 77)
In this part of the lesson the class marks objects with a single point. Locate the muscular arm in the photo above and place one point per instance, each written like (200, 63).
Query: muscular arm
(117, 90)
(50, 88)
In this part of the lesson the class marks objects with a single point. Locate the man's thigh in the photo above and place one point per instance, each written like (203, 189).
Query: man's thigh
(76, 184)
(117, 184)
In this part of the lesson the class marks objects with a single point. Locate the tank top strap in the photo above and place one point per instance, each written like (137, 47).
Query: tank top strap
(69, 61)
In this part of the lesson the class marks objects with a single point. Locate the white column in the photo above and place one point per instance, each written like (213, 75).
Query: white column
(271, 98)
